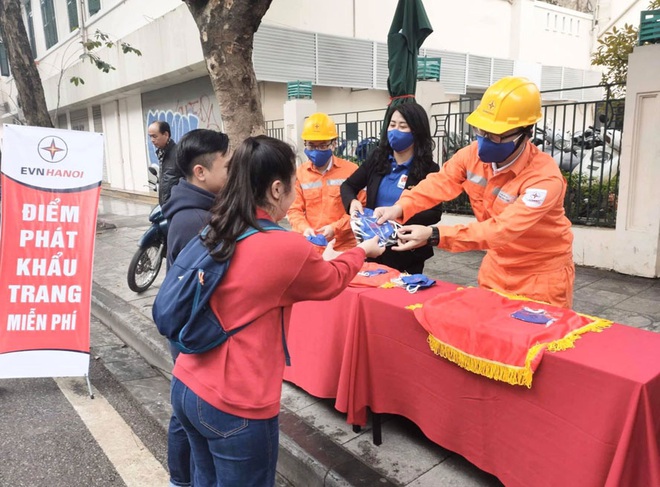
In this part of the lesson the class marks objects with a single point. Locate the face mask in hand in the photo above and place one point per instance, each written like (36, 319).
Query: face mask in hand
(490, 151)
(399, 141)
(319, 157)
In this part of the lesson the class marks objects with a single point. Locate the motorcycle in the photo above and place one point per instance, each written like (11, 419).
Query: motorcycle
(152, 248)
(601, 162)
(559, 146)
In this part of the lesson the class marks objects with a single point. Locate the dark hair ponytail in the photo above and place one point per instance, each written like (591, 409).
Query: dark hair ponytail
(256, 164)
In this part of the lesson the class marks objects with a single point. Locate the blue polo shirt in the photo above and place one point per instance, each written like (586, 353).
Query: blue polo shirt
(393, 184)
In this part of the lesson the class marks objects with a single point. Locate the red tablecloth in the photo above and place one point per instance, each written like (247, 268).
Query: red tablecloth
(592, 417)
(316, 340)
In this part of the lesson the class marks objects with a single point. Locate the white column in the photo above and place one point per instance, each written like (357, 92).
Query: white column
(429, 92)
(295, 112)
(638, 214)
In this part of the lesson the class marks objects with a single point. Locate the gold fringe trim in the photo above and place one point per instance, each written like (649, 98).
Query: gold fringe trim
(512, 374)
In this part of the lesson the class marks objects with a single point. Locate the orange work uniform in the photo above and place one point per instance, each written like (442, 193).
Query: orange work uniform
(520, 221)
(318, 202)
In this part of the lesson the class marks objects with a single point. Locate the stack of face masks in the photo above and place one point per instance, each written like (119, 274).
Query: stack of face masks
(364, 227)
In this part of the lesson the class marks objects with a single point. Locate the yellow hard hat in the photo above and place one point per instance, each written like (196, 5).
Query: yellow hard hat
(319, 126)
(508, 103)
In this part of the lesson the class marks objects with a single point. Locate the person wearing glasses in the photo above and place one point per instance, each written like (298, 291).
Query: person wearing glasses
(517, 195)
(317, 209)
(403, 158)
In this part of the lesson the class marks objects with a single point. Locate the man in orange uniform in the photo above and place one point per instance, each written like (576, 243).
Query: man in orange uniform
(317, 208)
(517, 194)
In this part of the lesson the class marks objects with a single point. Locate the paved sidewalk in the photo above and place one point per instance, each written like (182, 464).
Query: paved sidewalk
(317, 447)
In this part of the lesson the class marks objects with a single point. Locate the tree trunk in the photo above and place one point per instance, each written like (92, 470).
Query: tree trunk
(26, 76)
(226, 30)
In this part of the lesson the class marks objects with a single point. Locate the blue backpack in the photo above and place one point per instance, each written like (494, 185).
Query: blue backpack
(181, 309)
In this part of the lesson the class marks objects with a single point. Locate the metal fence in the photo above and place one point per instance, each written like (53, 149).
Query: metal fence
(583, 137)
(359, 133)
(275, 129)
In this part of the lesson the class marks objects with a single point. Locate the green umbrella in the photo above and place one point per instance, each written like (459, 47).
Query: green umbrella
(410, 27)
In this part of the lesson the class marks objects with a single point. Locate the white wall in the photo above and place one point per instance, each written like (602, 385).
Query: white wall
(167, 35)
(328, 100)
(552, 35)
(619, 12)
(474, 26)
(166, 58)
(495, 28)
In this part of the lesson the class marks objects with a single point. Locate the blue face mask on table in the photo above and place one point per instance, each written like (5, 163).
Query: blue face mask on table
(319, 157)
(490, 151)
(400, 141)
(417, 281)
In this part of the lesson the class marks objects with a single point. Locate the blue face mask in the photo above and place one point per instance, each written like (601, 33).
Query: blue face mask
(319, 240)
(399, 141)
(490, 151)
(319, 157)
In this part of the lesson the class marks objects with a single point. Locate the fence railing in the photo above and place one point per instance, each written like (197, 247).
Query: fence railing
(359, 133)
(275, 129)
(583, 137)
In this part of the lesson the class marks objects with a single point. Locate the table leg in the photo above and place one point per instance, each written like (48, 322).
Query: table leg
(377, 433)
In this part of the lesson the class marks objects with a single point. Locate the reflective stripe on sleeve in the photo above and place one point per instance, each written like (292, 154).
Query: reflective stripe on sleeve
(475, 178)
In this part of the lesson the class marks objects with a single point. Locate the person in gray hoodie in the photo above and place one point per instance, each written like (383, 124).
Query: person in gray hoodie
(202, 157)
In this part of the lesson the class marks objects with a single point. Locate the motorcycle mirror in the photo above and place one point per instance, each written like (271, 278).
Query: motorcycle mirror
(602, 118)
(153, 170)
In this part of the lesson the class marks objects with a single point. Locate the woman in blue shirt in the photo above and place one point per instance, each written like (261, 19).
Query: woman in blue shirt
(402, 159)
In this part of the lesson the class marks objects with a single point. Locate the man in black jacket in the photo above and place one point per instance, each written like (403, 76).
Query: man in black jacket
(168, 172)
(202, 156)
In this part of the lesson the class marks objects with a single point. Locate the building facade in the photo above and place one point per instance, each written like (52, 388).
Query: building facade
(339, 46)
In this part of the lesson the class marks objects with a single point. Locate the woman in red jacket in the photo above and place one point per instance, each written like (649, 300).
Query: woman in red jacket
(228, 398)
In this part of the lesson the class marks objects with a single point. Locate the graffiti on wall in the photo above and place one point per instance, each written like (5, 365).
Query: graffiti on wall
(179, 125)
(203, 108)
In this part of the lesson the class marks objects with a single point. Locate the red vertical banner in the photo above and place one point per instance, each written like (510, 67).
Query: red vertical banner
(51, 181)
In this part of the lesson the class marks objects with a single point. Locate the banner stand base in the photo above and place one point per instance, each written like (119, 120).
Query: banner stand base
(89, 386)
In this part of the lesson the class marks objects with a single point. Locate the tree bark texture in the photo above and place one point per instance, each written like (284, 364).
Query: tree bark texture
(226, 31)
(26, 75)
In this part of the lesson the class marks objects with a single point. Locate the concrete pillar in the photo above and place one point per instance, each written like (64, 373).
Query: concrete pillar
(429, 92)
(637, 245)
(295, 112)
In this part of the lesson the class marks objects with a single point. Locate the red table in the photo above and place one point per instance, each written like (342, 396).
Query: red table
(591, 418)
(317, 338)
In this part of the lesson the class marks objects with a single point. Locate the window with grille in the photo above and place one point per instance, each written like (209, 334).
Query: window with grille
(98, 118)
(50, 26)
(93, 6)
(30, 25)
(72, 10)
(79, 120)
(4, 63)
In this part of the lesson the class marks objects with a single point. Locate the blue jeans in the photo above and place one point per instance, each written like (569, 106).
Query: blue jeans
(179, 461)
(227, 450)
